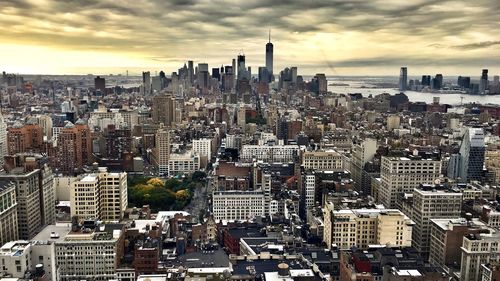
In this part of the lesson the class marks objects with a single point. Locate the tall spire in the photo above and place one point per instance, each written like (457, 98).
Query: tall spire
(269, 35)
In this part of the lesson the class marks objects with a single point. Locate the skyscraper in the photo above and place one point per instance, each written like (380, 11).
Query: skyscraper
(472, 155)
(163, 109)
(190, 72)
(146, 82)
(403, 79)
(269, 57)
(483, 83)
(241, 67)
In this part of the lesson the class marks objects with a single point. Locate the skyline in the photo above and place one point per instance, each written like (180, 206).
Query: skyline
(339, 38)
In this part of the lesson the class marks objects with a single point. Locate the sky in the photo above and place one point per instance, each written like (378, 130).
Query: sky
(336, 37)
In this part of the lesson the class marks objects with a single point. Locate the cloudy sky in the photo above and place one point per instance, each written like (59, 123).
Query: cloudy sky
(337, 37)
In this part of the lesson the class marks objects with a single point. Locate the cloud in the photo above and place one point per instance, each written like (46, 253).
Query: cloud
(479, 45)
(305, 32)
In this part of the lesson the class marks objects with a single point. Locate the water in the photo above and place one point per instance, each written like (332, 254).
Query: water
(376, 86)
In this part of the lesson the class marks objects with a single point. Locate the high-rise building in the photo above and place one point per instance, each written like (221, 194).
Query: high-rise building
(437, 82)
(463, 82)
(269, 57)
(91, 251)
(478, 249)
(162, 148)
(403, 174)
(100, 84)
(483, 82)
(446, 237)
(99, 196)
(146, 82)
(242, 70)
(403, 79)
(429, 202)
(3, 139)
(190, 72)
(29, 214)
(364, 227)
(264, 74)
(472, 152)
(74, 144)
(8, 212)
(320, 80)
(362, 154)
(163, 109)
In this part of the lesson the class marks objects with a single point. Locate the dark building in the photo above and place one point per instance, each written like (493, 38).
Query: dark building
(463, 82)
(216, 73)
(100, 84)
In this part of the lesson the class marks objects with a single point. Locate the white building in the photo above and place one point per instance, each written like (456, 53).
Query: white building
(365, 227)
(238, 205)
(430, 204)
(403, 174)
(162, 148)
(15, 258)
(477, 250)
(3, 139)
(186, 163)
(82, 253)
(329, 160)
(269, 153)
(99, 196)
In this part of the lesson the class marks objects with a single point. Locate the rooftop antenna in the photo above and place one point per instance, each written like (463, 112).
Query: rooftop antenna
(269, 35)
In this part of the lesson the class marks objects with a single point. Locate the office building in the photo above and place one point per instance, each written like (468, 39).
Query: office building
(403, 174)
(190, 72)
(269, 153)
(99, 196)
(483, 82)
(269, 58)
(446, 238)
(362, 154)
(426, 203)
(183, 163)
(238, 205)
(88, 251)
(472, 152)
(478, 249)
(8, 212)
(29, 205)
(320, 83)
(364, 227)
(329, 160)
(403, 79)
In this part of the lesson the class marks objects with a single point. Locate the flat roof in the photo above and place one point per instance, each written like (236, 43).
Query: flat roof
(47, 233)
